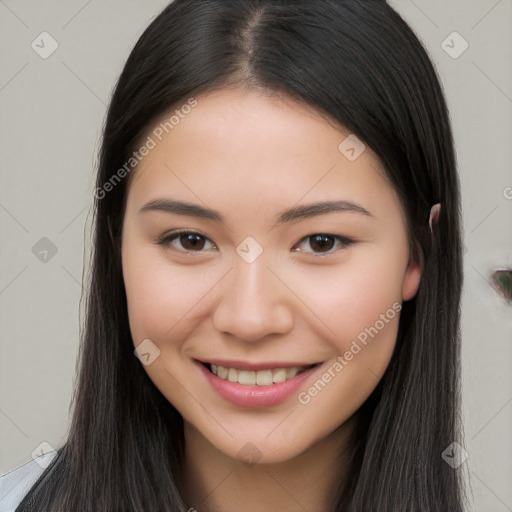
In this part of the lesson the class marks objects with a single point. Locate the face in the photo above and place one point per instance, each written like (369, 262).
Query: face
(265, 264)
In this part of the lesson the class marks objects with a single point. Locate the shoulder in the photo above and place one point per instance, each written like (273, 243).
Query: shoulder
(15, 484)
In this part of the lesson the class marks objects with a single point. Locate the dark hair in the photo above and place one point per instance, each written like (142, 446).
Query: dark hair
(359, 64)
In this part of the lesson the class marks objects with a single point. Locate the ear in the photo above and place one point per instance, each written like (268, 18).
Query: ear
(434, 216)
(412, 275)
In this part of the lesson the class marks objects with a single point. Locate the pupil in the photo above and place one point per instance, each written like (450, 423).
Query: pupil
(323, 242)
(190, 241)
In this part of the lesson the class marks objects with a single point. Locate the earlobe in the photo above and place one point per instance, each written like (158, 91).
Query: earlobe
(412, 276)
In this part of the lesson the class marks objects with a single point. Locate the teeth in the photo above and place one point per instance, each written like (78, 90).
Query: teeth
(279, 375)
(247, 378)
(291, 372)
(264, 377)
(253, 378)
(221, 372)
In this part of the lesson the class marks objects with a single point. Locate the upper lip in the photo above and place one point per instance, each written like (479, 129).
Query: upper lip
(247, 365)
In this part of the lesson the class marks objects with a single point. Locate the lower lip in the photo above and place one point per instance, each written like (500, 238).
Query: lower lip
(256, 396)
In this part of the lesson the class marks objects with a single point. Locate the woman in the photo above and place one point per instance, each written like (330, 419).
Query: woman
(277, 239)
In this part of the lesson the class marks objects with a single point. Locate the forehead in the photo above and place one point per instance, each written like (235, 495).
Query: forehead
(242, 145)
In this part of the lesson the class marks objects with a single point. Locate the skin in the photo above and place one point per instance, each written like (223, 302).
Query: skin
(250, 156)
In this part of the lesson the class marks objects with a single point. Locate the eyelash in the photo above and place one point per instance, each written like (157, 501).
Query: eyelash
(166, 240)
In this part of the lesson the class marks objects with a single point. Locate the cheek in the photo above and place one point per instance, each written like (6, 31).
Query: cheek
(152, 300)
(361, 303)
(347, 299)
(161, 294)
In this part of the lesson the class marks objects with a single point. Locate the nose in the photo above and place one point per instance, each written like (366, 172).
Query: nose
(254, 303)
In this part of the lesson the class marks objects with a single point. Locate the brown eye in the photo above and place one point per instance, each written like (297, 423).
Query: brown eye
(186, 241)
(192, 241)
(321, 243)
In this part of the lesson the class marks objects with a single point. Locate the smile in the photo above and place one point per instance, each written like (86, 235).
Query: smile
(256, 385)
(257, 378)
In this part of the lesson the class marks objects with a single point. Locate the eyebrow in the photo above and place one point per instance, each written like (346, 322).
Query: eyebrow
(291, 215)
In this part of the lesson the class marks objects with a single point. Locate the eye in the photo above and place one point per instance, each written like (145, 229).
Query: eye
(187, 241)
(322, 243)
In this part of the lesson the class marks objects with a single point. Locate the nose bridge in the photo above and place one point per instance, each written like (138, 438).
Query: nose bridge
(253, 302)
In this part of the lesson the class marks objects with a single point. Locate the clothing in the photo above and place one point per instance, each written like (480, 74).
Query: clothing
(16, 484)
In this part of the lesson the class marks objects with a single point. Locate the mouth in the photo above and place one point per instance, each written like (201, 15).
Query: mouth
(256, 385)
(263, 377)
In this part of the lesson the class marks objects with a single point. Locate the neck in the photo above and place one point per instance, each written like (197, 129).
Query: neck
(214, 482)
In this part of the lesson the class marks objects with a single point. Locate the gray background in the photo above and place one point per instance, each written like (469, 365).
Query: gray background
(52, 112)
